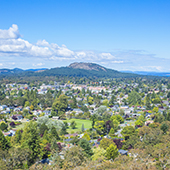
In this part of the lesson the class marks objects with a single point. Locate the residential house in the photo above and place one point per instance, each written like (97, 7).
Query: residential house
(123, 152)
(18, 116)
(3, 107)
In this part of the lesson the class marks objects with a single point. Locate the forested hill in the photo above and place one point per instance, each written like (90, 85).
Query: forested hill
(73, 70)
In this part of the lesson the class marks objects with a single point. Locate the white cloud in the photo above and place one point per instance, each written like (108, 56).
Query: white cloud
(42, 43)
(118, 62)
(13, 63)
(81, 54)
(1, 64)
(11, 33)
(38, 64)
(107, 56)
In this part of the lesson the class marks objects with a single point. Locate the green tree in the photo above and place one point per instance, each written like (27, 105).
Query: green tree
(90, 100)
(105, 143)
(130, 143)
(82, 128)
(134, 98)
(93, 118)
(118, 118)
(128, 131)
(74, 157)
(54, 145)
(159, 118)
(25, 112)
(63, 130)
(100, 127)
(168, 95)
(31, 139)
(164, 127)
(59, 106)
(3, 126)
(112, 152)
(83, 143)
(148, 102)
(86, 136)
(115, 125)
(112, 100)
(27, 103)
(99, 153)
(54, 133)
(73, 124)
(73, 102)
(4, 144)
(155, 109)
(121, 112)
(140, 121)
(112, 132)
(43, 128)
(101, 110)
(105, 103)
(17, 137)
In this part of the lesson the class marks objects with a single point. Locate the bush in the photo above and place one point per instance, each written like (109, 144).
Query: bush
(3, 126)
(73, 124)
(12, 124)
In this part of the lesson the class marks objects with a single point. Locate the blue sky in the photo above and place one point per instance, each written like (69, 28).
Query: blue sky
(118, 34)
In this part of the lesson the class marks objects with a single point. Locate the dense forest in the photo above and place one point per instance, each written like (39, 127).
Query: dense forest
(95, 71)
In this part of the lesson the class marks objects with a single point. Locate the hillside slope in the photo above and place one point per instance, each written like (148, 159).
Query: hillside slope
(76, 70)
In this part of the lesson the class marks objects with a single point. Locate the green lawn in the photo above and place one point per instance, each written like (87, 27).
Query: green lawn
(21, 126)
(79, 122)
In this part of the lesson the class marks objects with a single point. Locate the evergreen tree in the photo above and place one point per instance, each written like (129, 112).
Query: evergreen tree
(54, 133)
(63, 130)
(31, 139)
(18, 136)
(83, 143)
(73, 124)
(148, 103)
(54, 145)
(82, 127)
(43, 128)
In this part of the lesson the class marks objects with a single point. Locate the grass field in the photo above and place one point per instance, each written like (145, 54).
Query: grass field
(79, 122)
(21, 126)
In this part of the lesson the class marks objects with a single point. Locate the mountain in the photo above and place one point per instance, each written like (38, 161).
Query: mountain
(18, 70)
(10, 71)
(73, 70)
(87, 66)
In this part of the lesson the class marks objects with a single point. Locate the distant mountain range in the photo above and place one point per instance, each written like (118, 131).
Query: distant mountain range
(18, 70)
(76, 70)
(148, 73)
